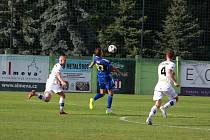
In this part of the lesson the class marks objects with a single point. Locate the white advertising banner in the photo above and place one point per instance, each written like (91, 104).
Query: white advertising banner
(78, 75)
(195, 77)
(22, 72)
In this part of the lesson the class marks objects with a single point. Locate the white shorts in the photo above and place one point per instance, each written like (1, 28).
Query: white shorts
(170, 93)
(53, 88)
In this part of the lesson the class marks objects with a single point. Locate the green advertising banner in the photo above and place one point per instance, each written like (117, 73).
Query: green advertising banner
(126, 84)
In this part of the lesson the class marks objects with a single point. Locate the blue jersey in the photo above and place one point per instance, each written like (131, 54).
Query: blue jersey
(104, 72)
(103, 66)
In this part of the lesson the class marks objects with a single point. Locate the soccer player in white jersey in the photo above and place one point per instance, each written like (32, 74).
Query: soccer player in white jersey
(54, 84)
(166, 77)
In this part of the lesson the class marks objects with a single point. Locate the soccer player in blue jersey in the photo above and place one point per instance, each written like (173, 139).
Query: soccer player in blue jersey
(105, 80)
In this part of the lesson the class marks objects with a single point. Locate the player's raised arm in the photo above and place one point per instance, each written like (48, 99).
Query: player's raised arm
(175, 83)
(62, 62)
(58, 76)
(91, 64)
(171, 75)
(98, 54)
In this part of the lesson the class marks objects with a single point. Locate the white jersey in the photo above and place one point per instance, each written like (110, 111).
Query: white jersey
(164, 82)
(52, 77)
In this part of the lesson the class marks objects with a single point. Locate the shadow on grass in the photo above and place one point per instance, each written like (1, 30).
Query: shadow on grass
(103, 114)
(182, 117)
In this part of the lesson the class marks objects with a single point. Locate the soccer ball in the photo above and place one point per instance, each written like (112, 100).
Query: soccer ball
(112, 48)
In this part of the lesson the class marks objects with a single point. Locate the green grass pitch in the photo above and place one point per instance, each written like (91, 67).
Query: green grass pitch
(21, 119)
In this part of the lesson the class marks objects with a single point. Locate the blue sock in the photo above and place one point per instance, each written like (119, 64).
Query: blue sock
(109, 101)
(98, 96)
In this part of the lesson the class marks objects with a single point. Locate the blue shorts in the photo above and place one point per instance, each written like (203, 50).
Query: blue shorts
(106, 83)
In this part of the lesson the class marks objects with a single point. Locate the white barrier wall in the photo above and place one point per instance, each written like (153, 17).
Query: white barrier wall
(195, 78)
(23, 72)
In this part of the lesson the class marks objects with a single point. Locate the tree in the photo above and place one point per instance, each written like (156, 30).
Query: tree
(180, 30)
(19, 33)
(156, 11)
(125, 30)
(99, 15)
(199, 9)
(5, 26)
(64, 29)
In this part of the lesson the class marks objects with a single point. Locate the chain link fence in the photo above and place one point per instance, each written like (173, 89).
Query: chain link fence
(76, 27)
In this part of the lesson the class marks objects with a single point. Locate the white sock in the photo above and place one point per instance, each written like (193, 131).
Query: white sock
(61, 102)
(153, 111)
(170, 103)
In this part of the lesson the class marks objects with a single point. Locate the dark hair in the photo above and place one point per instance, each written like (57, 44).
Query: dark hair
(170, 54)
(62, 54)
(98, 51)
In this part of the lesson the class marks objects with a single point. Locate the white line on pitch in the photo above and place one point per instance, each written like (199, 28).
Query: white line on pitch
(125, 119)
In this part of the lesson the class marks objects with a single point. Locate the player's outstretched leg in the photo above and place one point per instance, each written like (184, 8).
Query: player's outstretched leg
(149, 121)
(109, 104)
(164, 111)
(165, 107)
(61, 103)
(92, 100)
(152, 113)
(31, 94)
(46, 97)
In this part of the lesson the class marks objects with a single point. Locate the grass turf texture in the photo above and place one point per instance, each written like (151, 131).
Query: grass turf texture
(21, 119)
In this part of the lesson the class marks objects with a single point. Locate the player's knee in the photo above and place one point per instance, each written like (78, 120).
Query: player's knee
(102, 91)
(63, 96)
(47, 95)
(158, 103)
(176, 98)
(47, 99)
(110, 93)
(158, 106)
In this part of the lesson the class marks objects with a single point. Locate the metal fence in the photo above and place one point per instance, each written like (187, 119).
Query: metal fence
(76, 27)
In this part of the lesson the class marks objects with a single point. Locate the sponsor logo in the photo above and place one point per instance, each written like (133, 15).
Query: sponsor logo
(31, 70)
(76, 66)
(198, 73)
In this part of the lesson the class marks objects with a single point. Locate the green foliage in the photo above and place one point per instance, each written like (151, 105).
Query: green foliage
(77, 27)
(116, 22)
(64, 29)
(180, 30)
(124, 31)
(4, 25)
(19, 33)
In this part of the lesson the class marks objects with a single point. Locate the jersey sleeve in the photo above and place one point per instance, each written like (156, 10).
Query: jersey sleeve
(94, 60)
(57, 68)
(171, 66)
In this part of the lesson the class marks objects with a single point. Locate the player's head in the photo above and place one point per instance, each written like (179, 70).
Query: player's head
(98, 52)
(62, 60)
(169, 55)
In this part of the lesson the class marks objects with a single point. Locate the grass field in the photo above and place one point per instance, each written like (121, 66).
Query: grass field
(21, 119)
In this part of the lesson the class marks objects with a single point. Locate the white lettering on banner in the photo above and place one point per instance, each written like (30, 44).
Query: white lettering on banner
(195, 74)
